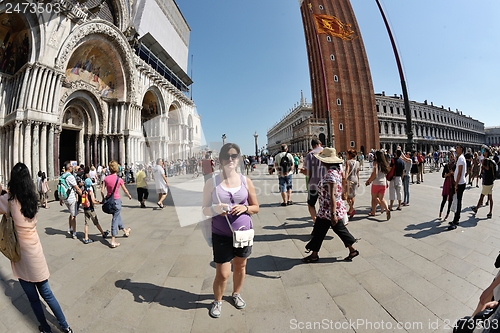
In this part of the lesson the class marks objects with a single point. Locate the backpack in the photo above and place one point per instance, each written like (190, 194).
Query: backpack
(86, 200)
(285, 164)
(63, 189)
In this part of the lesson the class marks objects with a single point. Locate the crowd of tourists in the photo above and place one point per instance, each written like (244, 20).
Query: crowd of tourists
(230, 200)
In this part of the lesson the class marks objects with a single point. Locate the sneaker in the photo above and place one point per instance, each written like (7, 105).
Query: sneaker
(105, 234)
(87, 241)
(42, 331)
(239, 303)
(143, 205)
(474, 209)
(70, 231)
(216, 309)
(74, 236)
(67, 330)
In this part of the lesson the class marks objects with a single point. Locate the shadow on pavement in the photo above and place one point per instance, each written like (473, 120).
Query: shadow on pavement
(435, 226)
(290, 226)
(170, 297)
(52, 231)
(279, 237)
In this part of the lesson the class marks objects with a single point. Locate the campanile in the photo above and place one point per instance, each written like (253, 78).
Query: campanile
(340, 76)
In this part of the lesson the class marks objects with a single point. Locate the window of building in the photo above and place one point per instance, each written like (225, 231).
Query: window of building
(341, 126)
(321, 7)
(392, 109)
(332, 57)
(339, 102)
(398, 111)
(335, 78)
(385, 109)
(378, 108)
(352, 144)
(328, 38)
(420, 113)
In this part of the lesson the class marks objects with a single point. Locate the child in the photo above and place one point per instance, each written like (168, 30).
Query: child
(90, 212)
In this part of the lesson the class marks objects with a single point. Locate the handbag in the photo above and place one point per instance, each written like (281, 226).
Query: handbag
(454, 204)
(241, 238)
(9, 244)
(109, 203)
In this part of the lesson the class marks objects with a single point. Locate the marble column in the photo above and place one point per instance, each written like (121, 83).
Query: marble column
(111, 148)
(94, 150)
(31, 93)
(36, 149)
(80, 148)
(22, 98)
(121, 149)
(42, 90)
(15, 154)
(2, 141)
(27, 145)
(128, 158)
(49, 93)
(57, 137)
(57, 85)
(87, 149)
(103, 150)
(50, 155)
(43, 148)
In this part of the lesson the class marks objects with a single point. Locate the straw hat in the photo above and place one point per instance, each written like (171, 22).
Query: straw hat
(329, 155)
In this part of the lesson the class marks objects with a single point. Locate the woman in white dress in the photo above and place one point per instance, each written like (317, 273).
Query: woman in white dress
(161, 182)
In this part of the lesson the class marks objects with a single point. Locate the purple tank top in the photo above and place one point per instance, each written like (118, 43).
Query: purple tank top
(243, 221)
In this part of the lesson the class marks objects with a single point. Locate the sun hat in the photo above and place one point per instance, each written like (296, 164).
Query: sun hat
(329, 155)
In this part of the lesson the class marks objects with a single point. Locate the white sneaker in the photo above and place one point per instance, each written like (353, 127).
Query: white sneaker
(216, 309)
(70, 231)
(239, 303)
(74, 235)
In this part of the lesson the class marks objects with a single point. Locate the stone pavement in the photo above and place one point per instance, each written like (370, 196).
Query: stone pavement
(410, 270)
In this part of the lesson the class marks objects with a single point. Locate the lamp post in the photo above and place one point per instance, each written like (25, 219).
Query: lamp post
(256, 144)
(223, 139)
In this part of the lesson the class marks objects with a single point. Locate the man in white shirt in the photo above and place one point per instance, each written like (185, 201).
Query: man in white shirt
(71, 200)
(461, 167)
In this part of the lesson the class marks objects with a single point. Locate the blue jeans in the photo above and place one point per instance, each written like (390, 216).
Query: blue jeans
(32, 289)
(116, 222)
(285, 183)
(406, 189)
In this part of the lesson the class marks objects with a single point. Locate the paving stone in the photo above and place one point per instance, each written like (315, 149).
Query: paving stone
(455, 286)
(424, 267)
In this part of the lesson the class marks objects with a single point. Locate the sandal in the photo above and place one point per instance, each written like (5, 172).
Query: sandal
(489, 216)
(371, 214)
(388, 215)
(310, 258)
(115, 245)
(126, 232)
(160, 205)
(352, 255)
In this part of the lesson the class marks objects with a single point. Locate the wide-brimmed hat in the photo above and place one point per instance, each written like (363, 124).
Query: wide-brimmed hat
(329, 155)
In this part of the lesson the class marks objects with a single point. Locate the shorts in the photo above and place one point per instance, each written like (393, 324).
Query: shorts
(285, 183)
(225, 252)
(312, 197)
(376, 189)
(487, 190)
(72, 207)
(142, 193)
(90, 215)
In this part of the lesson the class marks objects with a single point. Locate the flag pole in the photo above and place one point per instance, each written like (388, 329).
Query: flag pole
(409, 130)
(328, 119)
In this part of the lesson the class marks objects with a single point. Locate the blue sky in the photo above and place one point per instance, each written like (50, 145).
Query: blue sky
(250, 61)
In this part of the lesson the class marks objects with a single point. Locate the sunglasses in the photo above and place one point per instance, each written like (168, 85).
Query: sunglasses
(232, 156)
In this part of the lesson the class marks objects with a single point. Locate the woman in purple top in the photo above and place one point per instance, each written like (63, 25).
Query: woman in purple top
(232, 195)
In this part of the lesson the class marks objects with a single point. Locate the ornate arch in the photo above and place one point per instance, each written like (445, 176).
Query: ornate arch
(159, 97)
(175, 107)
(83, 34)
(88, 93)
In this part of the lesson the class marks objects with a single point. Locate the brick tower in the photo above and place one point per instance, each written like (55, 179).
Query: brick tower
(340, 75)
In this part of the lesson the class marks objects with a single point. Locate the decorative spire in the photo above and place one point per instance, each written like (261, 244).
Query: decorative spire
(302, 98)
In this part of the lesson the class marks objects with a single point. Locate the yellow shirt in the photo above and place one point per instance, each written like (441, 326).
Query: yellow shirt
(140, 177)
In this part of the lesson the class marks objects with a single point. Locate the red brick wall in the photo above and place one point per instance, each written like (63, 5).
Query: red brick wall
(357, 111)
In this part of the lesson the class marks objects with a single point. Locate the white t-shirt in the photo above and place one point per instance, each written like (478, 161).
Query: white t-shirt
(71, 181)
(460, 178)
(270, 161)
(93, 176)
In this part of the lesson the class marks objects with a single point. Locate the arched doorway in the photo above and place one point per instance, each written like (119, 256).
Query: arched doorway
(70, 140)
(322, 138)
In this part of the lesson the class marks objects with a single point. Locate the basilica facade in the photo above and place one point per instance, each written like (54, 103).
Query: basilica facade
(92, 81)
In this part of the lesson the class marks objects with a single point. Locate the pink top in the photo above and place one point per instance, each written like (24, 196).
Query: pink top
(110, 182)
(32, 267)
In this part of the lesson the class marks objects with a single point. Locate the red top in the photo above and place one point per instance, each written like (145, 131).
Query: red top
(207, 166)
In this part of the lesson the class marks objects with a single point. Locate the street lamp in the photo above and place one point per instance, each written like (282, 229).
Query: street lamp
(256, 144)
(223, 139)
